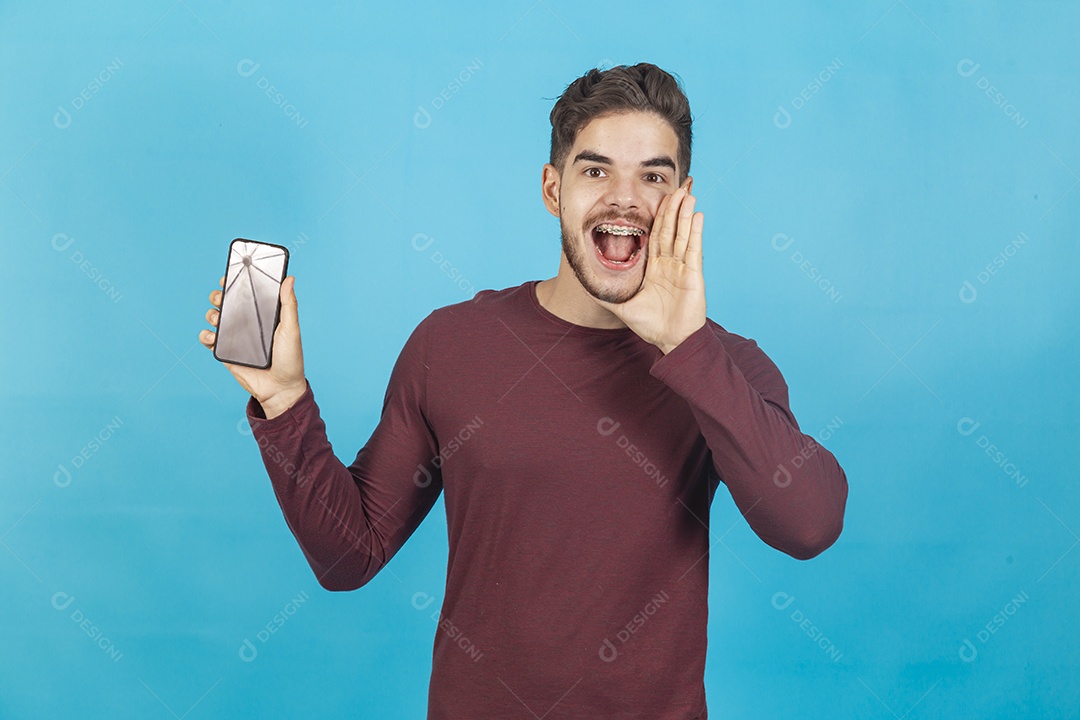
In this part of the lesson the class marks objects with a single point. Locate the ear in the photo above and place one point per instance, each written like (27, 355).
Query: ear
(549, 189)
(689, 184)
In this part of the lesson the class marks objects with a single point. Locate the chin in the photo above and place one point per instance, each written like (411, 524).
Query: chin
(604, 280)
(612, 292)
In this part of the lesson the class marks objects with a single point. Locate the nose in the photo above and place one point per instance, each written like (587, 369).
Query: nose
(624, 192)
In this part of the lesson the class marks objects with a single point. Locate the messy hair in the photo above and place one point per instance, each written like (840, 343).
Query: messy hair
(623, 88)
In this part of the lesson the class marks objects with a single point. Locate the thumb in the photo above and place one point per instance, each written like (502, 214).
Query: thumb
(289, 315)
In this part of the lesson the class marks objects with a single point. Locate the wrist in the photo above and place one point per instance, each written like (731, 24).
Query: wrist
(669, 344)
(282, 400)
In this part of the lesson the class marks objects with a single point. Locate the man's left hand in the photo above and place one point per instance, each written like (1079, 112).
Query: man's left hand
(670, 306)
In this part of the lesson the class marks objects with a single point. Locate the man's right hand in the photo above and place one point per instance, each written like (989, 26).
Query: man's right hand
(279, 386)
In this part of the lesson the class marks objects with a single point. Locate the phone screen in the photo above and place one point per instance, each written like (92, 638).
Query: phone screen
(251, 302)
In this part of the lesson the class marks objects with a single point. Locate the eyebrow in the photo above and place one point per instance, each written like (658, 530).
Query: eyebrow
(591, 156)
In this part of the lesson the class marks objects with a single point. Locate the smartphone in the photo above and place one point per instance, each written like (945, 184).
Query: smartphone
(250, 303)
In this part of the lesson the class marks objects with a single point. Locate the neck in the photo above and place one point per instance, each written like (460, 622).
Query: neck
(565, 298)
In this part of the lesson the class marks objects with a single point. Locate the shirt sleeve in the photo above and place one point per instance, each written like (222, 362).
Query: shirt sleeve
(350, 521)
(791, 490)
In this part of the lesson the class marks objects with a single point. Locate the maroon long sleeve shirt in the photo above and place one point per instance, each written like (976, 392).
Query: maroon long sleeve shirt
(578, 466)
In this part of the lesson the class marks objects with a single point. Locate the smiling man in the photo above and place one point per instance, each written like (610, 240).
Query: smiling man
(619, 267)
(579, 428)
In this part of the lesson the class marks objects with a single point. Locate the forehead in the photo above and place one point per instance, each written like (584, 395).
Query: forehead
(628, 136)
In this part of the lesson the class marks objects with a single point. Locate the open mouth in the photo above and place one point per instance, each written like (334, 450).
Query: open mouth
(618, 245)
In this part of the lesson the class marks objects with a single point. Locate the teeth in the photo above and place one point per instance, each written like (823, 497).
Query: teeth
(619, 230)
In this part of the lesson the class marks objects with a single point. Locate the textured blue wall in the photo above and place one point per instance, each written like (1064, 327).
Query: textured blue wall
(891, 212)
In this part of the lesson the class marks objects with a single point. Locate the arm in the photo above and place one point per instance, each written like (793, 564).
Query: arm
(791, 490)
(350, 521)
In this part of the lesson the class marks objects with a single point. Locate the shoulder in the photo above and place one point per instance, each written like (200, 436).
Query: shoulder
(742, 349)
(484, 306)
(755, 365)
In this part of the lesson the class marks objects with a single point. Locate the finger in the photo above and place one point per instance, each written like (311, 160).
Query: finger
(212, 316)
(667, 230)
(207, 338)
(215, 298)
(682, 234)
(221, 282)
(288, 302)
(658, 222)
(693, 249)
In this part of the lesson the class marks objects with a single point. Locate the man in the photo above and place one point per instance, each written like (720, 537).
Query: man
(579, 428)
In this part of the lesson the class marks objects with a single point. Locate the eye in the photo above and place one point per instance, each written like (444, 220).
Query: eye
(659, 177)
(589, 170)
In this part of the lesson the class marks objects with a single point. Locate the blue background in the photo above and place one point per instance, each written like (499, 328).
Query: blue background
(137, 143)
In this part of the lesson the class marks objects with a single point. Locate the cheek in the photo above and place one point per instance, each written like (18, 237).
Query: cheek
(580, 202)
(657, 197)
(653, 207)
(576, 217)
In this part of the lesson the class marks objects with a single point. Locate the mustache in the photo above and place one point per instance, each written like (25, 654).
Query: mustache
(633, 219)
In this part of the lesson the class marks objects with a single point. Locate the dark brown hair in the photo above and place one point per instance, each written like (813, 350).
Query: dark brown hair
(622, 88)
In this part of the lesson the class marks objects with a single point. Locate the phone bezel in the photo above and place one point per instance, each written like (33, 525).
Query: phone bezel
(277, 305)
